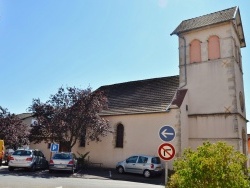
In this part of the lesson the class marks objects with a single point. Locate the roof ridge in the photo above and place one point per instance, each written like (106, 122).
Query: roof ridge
(142, 80)
(206, 20)
(211, 13)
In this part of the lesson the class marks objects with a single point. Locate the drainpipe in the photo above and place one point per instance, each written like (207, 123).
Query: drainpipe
(185, 62)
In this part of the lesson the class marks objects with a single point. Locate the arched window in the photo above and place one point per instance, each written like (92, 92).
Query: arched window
(195, 51)
(119, 136)
(213, 47)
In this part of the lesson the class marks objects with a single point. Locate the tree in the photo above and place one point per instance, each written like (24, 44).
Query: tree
(69, 115)
(212, 165)
(12, 130)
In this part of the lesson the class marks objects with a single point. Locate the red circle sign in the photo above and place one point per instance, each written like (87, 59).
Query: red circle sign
(166, 151)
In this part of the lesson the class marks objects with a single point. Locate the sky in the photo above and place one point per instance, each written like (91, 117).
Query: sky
(46, 44)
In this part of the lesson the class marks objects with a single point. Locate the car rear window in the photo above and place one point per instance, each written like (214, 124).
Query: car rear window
(61, 156)
(156, 160)
(22, 152)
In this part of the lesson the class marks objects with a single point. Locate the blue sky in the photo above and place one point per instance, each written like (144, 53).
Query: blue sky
(46, 44)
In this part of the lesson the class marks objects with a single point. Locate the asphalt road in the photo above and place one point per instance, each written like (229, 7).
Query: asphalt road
(91, 178)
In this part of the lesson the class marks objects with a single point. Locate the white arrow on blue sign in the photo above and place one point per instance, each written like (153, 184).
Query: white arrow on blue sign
(167, 133)
(54, 147)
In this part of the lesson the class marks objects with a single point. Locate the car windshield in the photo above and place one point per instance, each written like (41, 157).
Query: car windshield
(22, 153)
(62, 156)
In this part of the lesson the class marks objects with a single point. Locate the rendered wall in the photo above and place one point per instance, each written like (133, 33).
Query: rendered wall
(140, 137)
(214, 109)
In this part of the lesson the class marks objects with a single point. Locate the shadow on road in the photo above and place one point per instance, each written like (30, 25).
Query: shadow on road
(105, 173)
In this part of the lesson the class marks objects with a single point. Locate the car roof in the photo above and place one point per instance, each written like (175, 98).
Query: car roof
(27, 149)
(144, 155)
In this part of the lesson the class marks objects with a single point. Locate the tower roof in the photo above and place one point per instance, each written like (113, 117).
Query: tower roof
(212, 19)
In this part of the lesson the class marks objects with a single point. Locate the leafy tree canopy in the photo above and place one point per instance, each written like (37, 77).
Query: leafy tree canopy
(211, 166)
(12, 130)
(68, 115)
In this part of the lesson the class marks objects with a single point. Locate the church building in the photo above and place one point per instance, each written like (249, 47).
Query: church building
(205, 102)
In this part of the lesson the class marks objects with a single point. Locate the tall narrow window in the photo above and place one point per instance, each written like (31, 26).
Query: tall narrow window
(119, 136)
(83, 138)
(195, 51)
(213, 47)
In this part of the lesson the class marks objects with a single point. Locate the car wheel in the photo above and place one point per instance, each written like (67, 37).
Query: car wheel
(0, 162)
(120, 170)
(33, 168)
(72, 170)
(147, 173)
(11, 168)
(46, 165)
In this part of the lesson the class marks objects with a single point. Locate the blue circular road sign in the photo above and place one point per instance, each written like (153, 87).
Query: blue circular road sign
(167, 133)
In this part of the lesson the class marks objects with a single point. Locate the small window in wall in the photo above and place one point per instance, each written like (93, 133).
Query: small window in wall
(83, 138)
(213, 47)
(119, 136)
(242, 103)
(195, 51)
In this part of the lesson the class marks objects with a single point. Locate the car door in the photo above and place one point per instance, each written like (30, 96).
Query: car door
(130, 165)
(141, 164)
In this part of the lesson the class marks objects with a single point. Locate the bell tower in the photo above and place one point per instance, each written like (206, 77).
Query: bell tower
(210, 68)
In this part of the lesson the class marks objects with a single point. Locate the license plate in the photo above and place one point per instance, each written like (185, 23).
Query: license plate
(19, 160)
(60, 166)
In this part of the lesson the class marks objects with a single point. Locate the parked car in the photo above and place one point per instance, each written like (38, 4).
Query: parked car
(141, 164)
(7, 155)
(1, 151)
(28, 158)
(63, 161)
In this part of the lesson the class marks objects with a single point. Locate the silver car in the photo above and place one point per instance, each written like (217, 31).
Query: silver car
(141, 164)
(63, 161)
(27, 158)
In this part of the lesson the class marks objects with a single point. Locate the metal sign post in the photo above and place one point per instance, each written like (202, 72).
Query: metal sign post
(166, 173)
(53, 148)
(166, 151)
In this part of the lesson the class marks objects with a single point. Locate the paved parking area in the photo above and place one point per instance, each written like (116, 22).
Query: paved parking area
(105, 173)
(90, 173)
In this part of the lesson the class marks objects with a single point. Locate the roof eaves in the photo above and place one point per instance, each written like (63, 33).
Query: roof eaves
(196, 28)
(129, 113)
(242, 40)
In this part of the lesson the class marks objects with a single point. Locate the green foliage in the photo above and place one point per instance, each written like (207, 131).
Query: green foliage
(82, 162)
(211, 166)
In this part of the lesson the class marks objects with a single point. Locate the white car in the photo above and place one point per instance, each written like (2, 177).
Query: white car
(27, 158)
(141, 164)
(63, 161)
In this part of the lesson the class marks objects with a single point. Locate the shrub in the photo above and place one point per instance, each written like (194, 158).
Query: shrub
(211, 166)
(82, 162)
